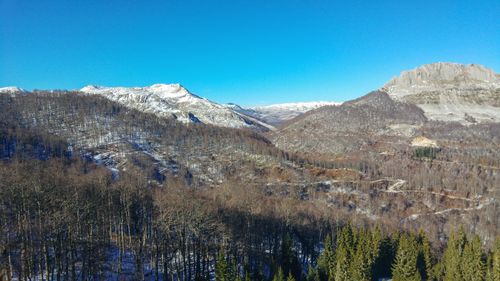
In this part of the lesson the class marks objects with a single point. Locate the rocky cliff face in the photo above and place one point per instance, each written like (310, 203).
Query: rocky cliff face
(450, 92)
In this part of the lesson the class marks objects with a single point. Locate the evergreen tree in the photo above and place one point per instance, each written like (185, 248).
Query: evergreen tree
(361, 263)
(376, 241)
(279, 276)
(342, 265)
(425, 261)
(489, 268)
(326, 261)
(496, 260)
(437, 272)
(472, 261)
(290, 277)
(312, 274)
(405, 264)
(387, 252)
(452, 258)
(343, 254)
(221, 268)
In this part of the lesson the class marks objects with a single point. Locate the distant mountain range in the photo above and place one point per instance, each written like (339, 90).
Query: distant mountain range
(175, 101)
(277, 114)
(440, 92)
(444, 91)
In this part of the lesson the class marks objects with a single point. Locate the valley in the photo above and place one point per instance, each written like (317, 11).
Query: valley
(420, 154)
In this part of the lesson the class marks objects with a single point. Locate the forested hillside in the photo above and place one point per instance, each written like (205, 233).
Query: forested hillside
(64, 219)
(93, 190)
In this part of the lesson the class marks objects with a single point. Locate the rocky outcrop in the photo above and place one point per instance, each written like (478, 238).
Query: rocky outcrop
(450, 92)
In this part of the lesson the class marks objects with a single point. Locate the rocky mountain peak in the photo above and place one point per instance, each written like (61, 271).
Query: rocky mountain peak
(441, 74)
(450, 91)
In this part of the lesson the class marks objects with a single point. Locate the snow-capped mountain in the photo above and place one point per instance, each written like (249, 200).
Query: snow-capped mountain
(173, 100)
(12, 90)
(450, 92)
(277, 114)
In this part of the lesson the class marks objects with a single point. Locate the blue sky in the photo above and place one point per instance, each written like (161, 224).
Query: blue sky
(249, 52)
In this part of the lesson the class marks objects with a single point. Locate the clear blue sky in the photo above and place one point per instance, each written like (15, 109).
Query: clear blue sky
(248, 52)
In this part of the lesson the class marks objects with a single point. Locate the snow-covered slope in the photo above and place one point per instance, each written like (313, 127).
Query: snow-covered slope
(12, 90)
(295, 107)
(450, 92)
(173, 100)
(277, 114)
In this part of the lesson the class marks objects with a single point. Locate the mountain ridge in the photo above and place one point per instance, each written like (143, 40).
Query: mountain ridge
(173, 100)
(450, 92)
(350, 126)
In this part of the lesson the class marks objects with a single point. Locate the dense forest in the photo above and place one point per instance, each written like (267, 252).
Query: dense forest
(68, 219)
